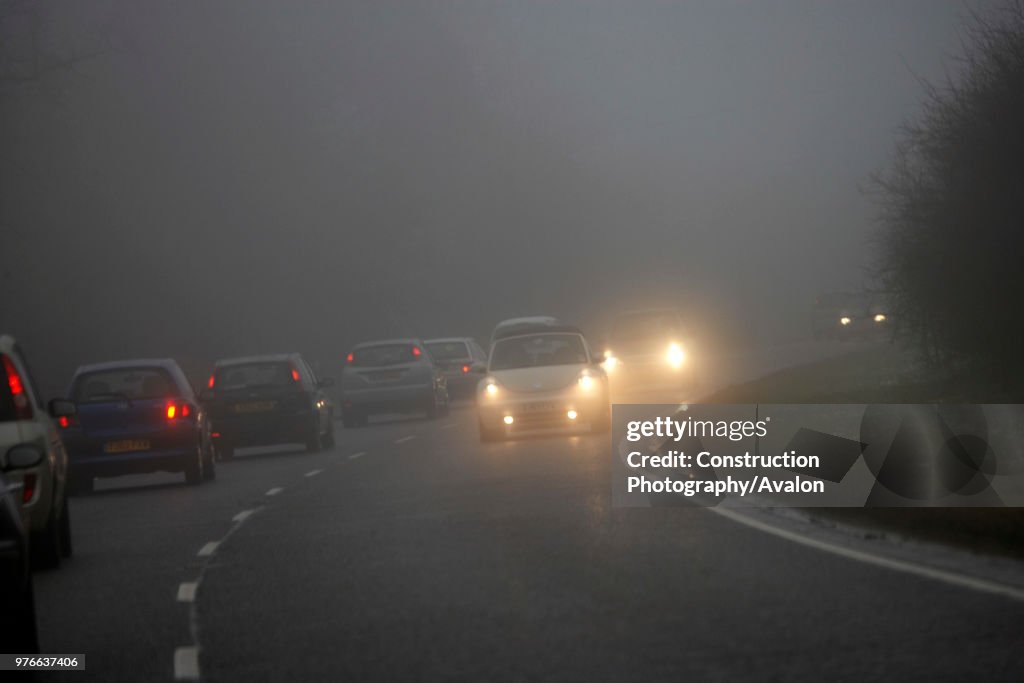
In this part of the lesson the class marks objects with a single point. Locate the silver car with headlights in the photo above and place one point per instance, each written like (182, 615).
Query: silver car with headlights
(543, 378)
(391, 376)
(649, 346)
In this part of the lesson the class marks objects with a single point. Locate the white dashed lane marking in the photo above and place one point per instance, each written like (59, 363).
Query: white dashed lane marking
(208, 549)
(357, 455)
(243, 515)
(187, 591)
(186, 664)
(274, 491)
(313, 473)
(405, 438)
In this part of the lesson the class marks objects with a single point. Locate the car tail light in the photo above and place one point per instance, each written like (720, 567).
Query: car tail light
(416, 352)
(22, 406)
(28, 488)
(295, 375)
(210, 382)
(465, 369)
(176, 411)
(350, 358)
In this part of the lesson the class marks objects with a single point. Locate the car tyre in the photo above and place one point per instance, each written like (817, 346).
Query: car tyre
(45, 546)
(66, 548)
(194, 469)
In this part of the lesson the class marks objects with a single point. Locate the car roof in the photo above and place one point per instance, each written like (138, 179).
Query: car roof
(382, 342)
(264, 358)
(165, 363)
(532, 319)
(530, 330)
(441, 340)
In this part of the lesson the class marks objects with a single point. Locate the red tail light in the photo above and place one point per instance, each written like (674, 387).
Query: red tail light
(22, 406)
(295, 375)
(209, 382)
(176, 411)
(465, 369)
(29, 487)
(416, 352)
(64, 421)
(172, 411)
(350, 358)
(185, 410)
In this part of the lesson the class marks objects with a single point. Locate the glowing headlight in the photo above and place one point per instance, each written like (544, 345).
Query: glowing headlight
(610, 362)
(491, 387)
(879, 317)
(845, 320)
(586, 382)
(675, 356)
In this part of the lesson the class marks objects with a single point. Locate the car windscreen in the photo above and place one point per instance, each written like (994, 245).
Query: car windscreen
(537, 350)
(384, 354)
(261, 374)
(449, 350)
(123, 384)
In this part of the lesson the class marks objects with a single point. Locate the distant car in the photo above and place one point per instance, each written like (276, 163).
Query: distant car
(542, 377)
(512, 324)
(26, 423)
(462, 361)
(391, 376)
(18, 632)
(650, 345)
(849, 315)
(264, 400)
(136, 416)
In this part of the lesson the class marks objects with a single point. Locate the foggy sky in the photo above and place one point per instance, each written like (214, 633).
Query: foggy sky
(243, 177)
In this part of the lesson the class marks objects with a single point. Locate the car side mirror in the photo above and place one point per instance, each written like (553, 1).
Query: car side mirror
(22, 457)
(325, 382)
(60, 407)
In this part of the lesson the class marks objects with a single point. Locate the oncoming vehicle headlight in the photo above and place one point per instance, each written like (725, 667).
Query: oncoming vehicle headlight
(491, 387)
(610, 362)
(845, 320)
(675, 356)
(585, 381)
(879, 317)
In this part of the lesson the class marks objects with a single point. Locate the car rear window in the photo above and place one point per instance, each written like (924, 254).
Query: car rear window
(453, 350)
(266, 374)
(123, 384)
(384, 354)
(538, 350)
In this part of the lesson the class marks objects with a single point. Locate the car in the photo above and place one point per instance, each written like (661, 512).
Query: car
(136, 416)
(462, 361)
(512, 324)
(545, 376)
(849, 315)
(391, 376)
(26, 423)
(650, 345)
(18, 632)
(265, 400)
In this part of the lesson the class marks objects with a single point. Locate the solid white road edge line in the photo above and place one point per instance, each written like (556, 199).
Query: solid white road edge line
(951, 578)
(187, 591)
(186, 664)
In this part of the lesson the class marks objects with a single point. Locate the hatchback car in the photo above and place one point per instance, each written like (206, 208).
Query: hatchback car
(26, 423)
(264, 400)
(462, 361)
(512, 324)
(545, 378)
(134, 417)
(391, 376)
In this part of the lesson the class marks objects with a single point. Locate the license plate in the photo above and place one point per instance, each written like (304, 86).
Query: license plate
(539, 407)
(255, 406)
(126, 446)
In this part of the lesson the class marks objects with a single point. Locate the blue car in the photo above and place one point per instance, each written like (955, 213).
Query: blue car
(134, 417)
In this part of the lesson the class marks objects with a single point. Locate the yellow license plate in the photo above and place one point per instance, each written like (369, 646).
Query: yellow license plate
(255, 406)
(126, 446)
